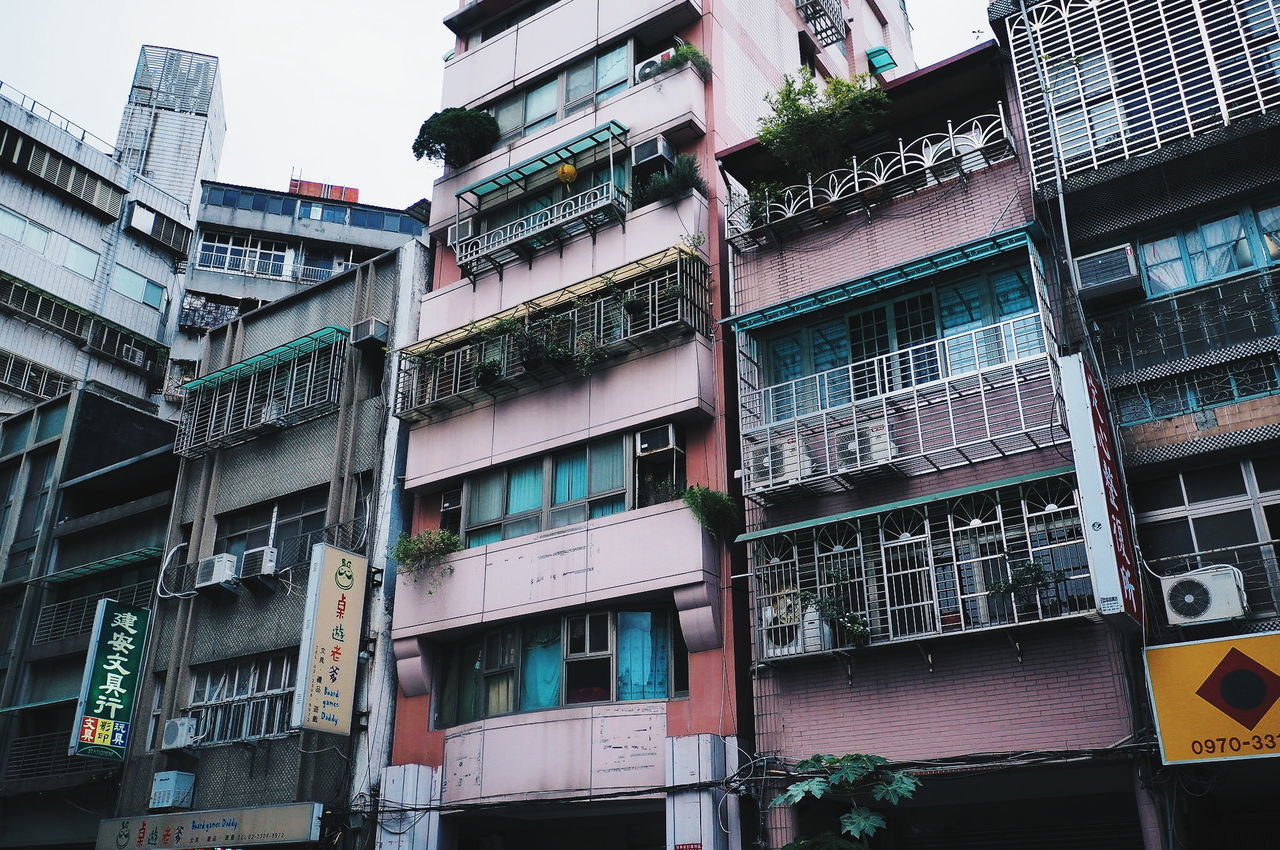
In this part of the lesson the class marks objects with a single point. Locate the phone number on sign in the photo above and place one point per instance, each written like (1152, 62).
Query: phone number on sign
(1250, 743)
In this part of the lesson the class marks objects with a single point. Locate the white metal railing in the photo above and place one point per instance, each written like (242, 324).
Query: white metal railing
(826, 17)
(243, 718)
(72, 129)
(926, 161)
(273, 268)
(571, 210)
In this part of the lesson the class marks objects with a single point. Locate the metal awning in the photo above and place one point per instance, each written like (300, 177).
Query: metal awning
(125, 559)
(906, 503)
(516, 174)
(267, 359)
(981, 249)
(37, 704)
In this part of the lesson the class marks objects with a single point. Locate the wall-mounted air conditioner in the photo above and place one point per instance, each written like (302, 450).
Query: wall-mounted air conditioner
(1207, 595)
(1108, 272)
(133, 354)
(216, 571)
(258, 563)
(658, 439)
(371, 333)
(179, 733)
(460, 232)
(874, 446)
(648, 69)
(172, 789)
(773, 464)
(652, 153)
(788, 631)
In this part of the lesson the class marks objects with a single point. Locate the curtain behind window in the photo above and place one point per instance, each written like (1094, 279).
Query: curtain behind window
(642, 655)
(540, 666)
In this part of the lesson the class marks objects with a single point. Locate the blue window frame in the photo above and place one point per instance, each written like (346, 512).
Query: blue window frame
(1212, 248)
(1213, 386)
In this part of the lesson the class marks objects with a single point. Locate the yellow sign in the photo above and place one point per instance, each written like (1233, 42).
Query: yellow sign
(1217, 699)
(326, 687)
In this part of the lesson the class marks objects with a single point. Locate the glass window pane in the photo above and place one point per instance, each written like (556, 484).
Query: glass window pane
(12, 225)
(1267, 471)
(786, 359)
(1156, 494)
(521, 527)
(612, 67)
(485, 498)
(81, 260)
(560, 517)
(587, 681)
(1165, 539)
(580, 81)
(598, 632)
(524, 489)
(570, 482)
(154, 294)
(510, 115)
(608, 506)
(1214, 482)
(540, 666)
(541, 102)
(1162, 260)
(830, 345)
(608, 461)
(469, 689)
(1220, 531)
(642, 655)
(481, 536)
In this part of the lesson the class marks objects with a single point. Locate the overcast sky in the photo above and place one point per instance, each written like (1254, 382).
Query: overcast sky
(321, 87)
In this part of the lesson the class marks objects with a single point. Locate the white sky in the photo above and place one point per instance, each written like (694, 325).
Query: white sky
(329, 88)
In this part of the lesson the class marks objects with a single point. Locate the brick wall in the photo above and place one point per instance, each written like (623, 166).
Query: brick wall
(1225, 419)
(1067, 693)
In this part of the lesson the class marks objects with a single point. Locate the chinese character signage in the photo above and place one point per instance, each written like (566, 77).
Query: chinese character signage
(1216, 700)
(330, 649)
(1108, 535)
(110, 685)
(293, 822)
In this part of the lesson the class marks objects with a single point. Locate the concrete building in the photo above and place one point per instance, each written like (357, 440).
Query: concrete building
(929, 569)
(85, 488)
(571, 676)
(1150, 128)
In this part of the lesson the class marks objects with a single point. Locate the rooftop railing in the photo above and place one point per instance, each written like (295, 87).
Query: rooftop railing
(72, 129)
(269, 267)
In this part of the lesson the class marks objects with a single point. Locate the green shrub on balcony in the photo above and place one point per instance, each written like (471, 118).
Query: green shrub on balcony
(687, 54)
(715, 510)
(424, 553)
(456, 136)
(684, 174)
(814, 131)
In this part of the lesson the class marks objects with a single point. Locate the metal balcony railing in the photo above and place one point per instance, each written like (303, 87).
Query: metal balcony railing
(825, 18)
(204, 314)
(756, 219)
(272, 267)
(1257, 563)
(585, 212)
(668, 301)
(992, 559)
(74, 617)
(72, 129)
(972, 396)
(40, 756)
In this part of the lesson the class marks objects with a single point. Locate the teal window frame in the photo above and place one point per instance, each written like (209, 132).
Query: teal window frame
(1187, 395)
(1261, 254)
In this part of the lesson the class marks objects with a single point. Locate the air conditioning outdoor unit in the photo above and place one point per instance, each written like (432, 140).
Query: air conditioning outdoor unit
(655, 152)
(874, 446)
(371, 333)
(258, 563)
(1108, 272)
(271, 414)
(460, 232)
(657, 440)
(648, 69)
(789, 632)
(774, 464)
(216, 571)
(179, 733)
(172, 789)
(1207, 595)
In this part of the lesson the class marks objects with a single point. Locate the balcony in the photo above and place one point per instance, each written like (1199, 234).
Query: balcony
(74, 617)
(629, 309)
(995, 558)
(205, 315)
(34, 757)
(521, 239)
(973, 396)
(825, 18)
(1259, 569)
(928, 161)
(270, 268)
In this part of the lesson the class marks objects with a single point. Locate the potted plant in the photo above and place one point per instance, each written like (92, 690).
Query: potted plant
(456, 136)
(487, 372)
(423, 555)
(715, 510)
(635, 305)
(587, 353)
(834, 610)
(684, 175)
(813, 131)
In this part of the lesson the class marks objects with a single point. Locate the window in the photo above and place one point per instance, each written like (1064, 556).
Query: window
(593, 657)
(243, 255)
(587, 82)
(40, 471)
(291, 524)
(390, 222)
(81, 260)
(1223, 245)
(243, 699)
(322, 212)
(133, 285)
(1225, 383)
(1086, 114)
(24, 231)
(219, 196)
(596, 79)
(547, 492)
(154, 726)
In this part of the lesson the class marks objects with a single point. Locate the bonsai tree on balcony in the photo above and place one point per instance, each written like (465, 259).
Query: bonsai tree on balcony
(854, 777)
(683, 175)
(813, 131)
(423, 554)
(456, 136)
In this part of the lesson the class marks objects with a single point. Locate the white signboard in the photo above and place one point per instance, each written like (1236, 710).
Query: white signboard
(293, 822)
(327, 660)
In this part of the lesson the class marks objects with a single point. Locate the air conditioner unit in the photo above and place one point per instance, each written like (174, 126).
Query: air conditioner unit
(460, 232)
(1207, 595)
(258, 563)
(371, 333)
(773, 465)
(789, 632)
(648, 69)
(179, 733)
(272, 414)
(874, 446)
(1108, 272)
(215, 571)
(652, 152)
(658, 439)
(172, 789)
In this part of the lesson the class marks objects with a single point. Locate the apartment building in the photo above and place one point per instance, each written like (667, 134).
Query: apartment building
(930, 569)
(85, 487)
(571, 675)
(1149, 127)
(269, 656)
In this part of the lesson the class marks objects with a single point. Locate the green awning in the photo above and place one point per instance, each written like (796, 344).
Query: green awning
(267, 359)
(39, 704)
(972, 252)
(548, 159)
(881, 60)
(907, 503)
(125, 559)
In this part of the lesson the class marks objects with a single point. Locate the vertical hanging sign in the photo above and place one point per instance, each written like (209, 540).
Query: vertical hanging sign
(325, 694)
(109, 689)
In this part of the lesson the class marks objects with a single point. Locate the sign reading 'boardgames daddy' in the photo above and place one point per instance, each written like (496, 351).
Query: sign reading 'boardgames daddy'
(325, 693)
(109, 689)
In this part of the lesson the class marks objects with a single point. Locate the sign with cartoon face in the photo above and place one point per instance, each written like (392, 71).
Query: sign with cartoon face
(329, 655)
(289, 823)
(104, 714)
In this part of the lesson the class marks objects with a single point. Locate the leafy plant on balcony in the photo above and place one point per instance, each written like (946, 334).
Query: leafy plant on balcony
(687, 54)
(715, 510)
(854, 777)
(683, 175)
(587, 353)
(456, 136)
(1027, 576)
(815, 130)
(835, 611)
(423, 554)
(488, 372)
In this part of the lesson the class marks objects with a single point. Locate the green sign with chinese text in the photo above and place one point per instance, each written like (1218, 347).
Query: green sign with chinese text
(110, 685)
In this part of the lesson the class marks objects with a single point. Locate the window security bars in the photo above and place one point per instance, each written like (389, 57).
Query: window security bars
(20, 375)
(282, 390)
(825, 18)
(936, 158)
(585, 212)
(243, 700)
(37, 756)
(672, 300)
(73, 617)
(973, 396)
(985, 560)
(1226, 383)
(1120, 79)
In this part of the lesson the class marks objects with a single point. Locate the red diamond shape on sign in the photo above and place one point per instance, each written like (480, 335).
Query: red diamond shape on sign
(1241, 688)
